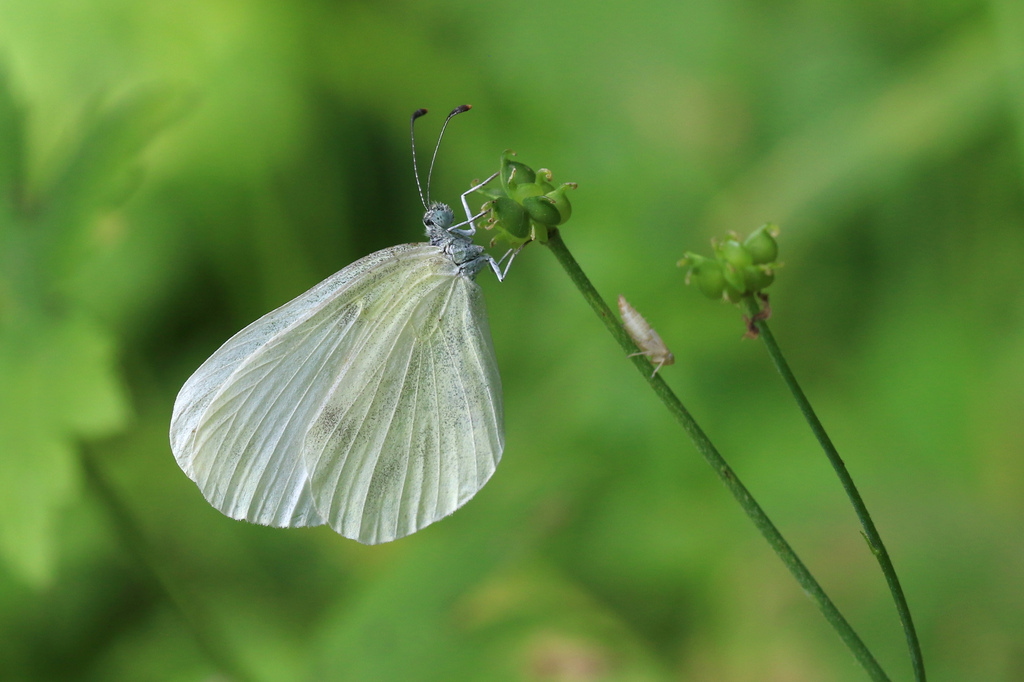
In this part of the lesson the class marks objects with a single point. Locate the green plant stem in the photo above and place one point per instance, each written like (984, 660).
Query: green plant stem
(870, 532)
(725, 473)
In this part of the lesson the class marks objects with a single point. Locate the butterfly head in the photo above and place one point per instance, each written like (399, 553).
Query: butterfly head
(437, 219)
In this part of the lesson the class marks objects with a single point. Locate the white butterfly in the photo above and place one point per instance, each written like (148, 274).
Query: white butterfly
(370, 403)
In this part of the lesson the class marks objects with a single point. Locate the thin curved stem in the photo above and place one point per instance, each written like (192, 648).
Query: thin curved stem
(704, 445)
(870, 532)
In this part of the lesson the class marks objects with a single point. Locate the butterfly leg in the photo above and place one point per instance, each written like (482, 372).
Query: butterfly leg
(471, 230)
(470, 218)
(511, 255)
(465, 203)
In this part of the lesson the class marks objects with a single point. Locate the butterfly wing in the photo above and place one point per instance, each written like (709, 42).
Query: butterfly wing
(250, 427)
(414, 429)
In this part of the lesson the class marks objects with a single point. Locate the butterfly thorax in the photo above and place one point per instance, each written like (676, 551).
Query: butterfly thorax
(459, 247)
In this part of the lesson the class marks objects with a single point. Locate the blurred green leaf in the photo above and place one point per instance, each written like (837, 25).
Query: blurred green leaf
(12, 150)
(59, 379)
(110, 139)
(58, 383)
(100, 169)
(930, 109)
(1009, 28)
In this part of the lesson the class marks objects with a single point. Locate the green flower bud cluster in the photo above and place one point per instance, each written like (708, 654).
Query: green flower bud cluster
(738, 268)
(526, 205)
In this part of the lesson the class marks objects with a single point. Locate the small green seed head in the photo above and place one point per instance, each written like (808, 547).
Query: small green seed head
(738, 269)
(761, 244)
(526, 204)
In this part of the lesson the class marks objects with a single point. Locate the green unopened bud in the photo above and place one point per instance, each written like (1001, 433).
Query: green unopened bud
(761, 244)
(734, 253)
(510, 168)
(508, 219)
(550, 209)
(544, 177)
(561, 200)
(542, 209)
(521, 191)
(734, 277)
(705, 273)
(519, 181)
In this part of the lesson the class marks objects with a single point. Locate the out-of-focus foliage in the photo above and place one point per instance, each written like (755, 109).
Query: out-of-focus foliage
(171, 171)
(60, 381)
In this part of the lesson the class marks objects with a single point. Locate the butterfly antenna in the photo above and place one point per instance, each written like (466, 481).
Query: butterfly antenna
(412, 137)
(454, 112)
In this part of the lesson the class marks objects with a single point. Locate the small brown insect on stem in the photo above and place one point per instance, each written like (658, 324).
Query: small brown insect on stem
(644, 336)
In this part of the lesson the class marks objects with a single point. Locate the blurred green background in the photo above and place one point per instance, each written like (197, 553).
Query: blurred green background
(171, 171)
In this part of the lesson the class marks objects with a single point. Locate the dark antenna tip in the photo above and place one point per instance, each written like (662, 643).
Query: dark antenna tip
(454, 112)
(425, 196)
